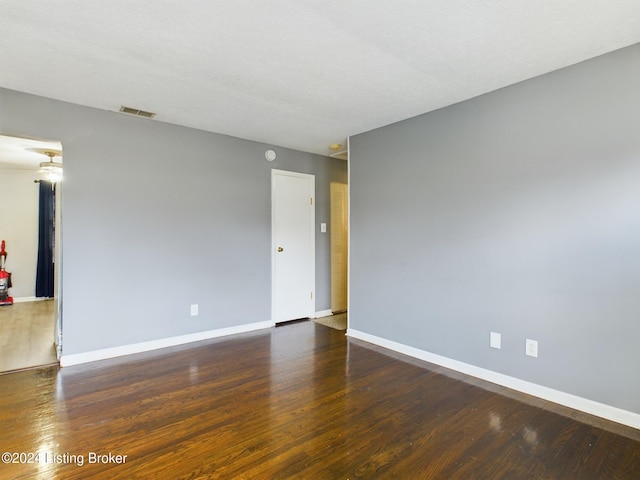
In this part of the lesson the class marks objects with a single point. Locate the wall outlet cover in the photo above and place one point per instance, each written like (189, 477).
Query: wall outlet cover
(495, 340)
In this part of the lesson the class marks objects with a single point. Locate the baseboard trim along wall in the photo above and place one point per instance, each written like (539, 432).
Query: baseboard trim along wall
(30, 299)
(568, 400)
(103, 354)
(323, 313)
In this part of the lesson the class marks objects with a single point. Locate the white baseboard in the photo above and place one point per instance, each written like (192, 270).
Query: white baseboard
(568, 400)
(30, 299)
(103, 354)
(323, 313)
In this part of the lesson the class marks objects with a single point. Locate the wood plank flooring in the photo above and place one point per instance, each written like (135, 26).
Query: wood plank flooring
(300, 401)
(27, 335)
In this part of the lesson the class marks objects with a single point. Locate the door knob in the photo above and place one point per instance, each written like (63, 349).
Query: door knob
(280, 249)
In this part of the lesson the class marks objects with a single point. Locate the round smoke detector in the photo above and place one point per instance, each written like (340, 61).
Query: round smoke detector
(270, 155)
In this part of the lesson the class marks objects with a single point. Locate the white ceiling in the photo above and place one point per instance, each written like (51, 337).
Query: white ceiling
(299, 74)
(25, 153)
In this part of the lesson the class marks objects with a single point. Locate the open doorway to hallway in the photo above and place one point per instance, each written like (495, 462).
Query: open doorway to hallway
(339, 253)
(30, 225)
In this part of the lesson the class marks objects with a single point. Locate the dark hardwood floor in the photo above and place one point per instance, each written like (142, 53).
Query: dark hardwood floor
(294, 402)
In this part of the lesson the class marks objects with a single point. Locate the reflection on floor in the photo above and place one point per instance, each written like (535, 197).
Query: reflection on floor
(27, 335)
(302, 401)
(337, 321)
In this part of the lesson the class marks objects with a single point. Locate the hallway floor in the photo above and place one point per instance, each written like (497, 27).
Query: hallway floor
(337, 321)
(27, 335)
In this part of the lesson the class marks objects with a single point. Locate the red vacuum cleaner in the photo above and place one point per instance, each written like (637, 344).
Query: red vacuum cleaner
(5, 279)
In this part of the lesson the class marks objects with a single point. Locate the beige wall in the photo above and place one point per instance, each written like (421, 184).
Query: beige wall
(19, 227)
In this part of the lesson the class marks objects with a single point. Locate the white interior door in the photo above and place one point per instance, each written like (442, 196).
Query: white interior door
(293, 245)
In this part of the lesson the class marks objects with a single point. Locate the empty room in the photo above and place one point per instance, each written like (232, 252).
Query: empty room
(320, 240)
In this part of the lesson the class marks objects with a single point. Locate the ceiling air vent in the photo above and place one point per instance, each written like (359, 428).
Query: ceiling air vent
(135, 111)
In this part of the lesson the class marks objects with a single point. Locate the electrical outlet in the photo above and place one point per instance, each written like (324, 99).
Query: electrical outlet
(323, 227)
(495, 340)
(194, 310)
(531, 348)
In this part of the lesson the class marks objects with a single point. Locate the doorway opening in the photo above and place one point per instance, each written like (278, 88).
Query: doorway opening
(31, 328)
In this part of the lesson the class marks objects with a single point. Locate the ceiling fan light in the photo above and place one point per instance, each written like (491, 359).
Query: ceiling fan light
(51, 170)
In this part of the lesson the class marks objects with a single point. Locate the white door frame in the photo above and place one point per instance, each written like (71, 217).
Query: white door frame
(58, 272)
(312, 259)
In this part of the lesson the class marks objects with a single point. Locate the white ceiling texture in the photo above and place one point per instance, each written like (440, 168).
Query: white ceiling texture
(296, 73)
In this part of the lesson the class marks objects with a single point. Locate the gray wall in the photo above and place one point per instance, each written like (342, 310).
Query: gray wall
(516, 212)
(157, 217)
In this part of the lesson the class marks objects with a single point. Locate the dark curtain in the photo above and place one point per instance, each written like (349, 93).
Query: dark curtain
(46, 235)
